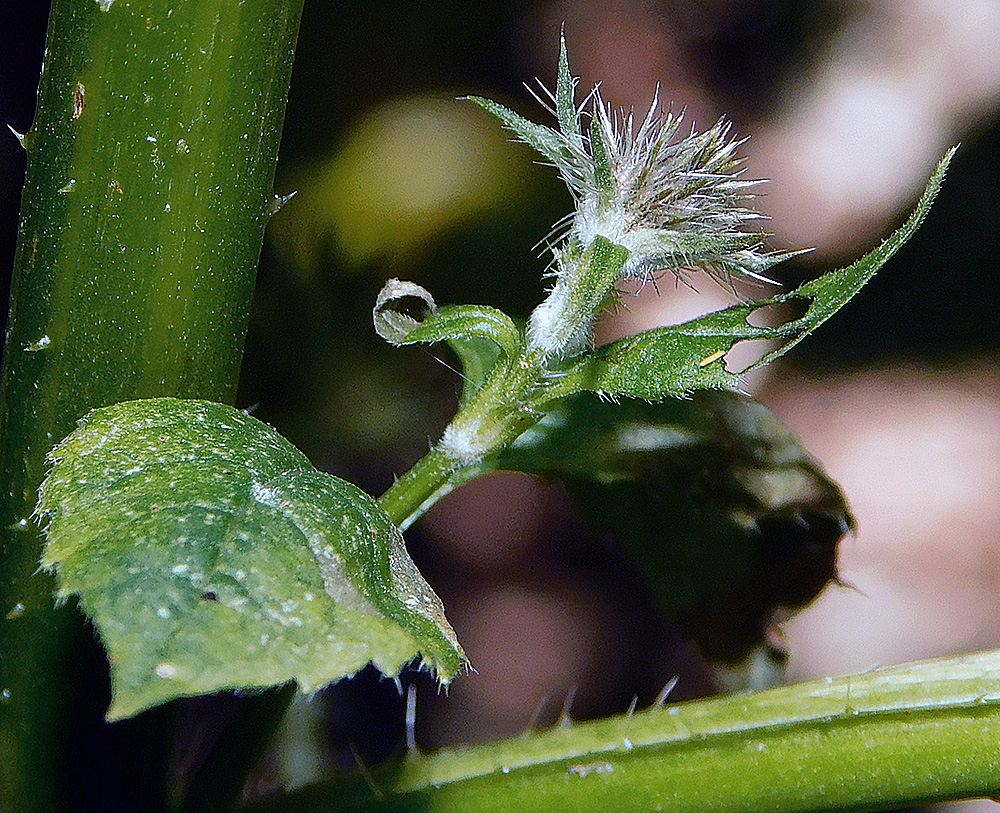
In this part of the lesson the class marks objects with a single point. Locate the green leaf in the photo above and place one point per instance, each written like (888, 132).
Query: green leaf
(405, 313)
(668, 362)
(480, 336)
(211, 555)
(672, 361)
(724, 513)
(464, 322)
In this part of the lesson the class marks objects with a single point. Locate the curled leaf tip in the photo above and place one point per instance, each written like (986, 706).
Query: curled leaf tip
(400, 308)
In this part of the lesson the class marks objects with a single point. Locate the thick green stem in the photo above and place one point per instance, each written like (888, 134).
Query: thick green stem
(888, 738)
(150, 180)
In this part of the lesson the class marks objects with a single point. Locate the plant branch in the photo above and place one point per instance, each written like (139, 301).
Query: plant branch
(516, 394)
(887, 738)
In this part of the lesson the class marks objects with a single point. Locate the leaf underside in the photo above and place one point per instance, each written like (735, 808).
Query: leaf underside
(211, 555)
(723, 512)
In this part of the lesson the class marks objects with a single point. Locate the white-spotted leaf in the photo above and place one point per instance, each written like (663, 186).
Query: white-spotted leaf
(211, 555)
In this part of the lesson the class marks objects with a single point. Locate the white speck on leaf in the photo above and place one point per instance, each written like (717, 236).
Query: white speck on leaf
(593, 767)
(41, 344)
(264, 495)
(167, 671)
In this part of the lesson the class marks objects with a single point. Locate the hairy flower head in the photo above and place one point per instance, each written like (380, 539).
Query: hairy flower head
(673, 204)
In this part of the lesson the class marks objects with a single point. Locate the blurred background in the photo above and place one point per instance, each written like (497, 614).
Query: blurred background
(849, 104)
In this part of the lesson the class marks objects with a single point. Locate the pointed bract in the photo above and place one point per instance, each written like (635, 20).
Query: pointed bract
(569, 121)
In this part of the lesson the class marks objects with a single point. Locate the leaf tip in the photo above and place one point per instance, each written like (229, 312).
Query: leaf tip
(400, 308)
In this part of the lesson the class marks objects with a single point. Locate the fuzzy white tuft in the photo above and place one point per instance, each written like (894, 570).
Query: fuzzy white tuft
(463, 444)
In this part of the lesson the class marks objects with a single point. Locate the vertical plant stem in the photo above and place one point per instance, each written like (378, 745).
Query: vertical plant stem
(149, 183)
(411, 495)
(494, 418)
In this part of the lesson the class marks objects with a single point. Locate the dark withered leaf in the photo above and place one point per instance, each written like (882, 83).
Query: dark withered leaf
(730, 520)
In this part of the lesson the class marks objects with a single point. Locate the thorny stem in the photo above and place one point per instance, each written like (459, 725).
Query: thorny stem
(889, 738)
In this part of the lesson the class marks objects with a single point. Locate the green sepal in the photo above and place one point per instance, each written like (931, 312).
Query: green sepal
(603, 175)
(543, 139)
(211, 555)
(600, 270)
(672, 361)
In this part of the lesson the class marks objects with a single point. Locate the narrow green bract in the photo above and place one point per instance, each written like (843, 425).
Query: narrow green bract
(212, 555)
